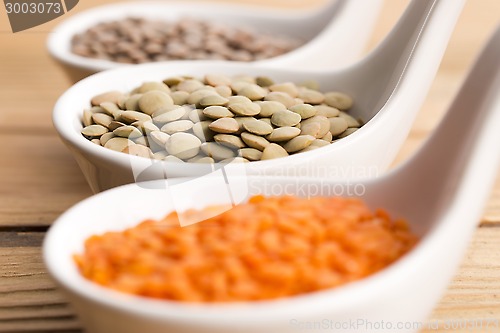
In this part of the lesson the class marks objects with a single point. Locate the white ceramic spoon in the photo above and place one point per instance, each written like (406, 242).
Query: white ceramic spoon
(388, 87)
(334, 34)
(440, 191)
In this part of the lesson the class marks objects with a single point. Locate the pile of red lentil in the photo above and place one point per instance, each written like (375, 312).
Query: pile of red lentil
(268, 248)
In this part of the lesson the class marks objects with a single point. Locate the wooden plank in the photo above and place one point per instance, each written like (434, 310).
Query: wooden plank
(40, 179)
(16, 238)
(62, 324)
(22, 272)
(28, 99)
(22, 269)
(492, 210)
(473, 294)
(31, 297)
(36, 312)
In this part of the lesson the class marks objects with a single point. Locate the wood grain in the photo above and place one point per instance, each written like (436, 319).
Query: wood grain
(39, 179)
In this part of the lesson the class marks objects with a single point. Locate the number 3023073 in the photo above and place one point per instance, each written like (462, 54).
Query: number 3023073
(33, 7)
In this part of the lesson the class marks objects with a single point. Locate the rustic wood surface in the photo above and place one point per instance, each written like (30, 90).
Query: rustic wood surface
(39, 179)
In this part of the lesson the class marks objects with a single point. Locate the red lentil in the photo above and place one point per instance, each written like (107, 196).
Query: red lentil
(270, 247)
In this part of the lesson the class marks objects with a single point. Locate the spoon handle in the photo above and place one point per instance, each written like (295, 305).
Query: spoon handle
(462, 157)
(344, 28)
(414, 47)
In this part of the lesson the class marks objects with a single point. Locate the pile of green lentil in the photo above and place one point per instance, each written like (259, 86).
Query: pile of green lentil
(218, 118)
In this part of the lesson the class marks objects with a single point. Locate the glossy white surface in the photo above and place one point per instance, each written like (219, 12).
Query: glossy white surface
(341, 25)
(440, 191)
(388, 88)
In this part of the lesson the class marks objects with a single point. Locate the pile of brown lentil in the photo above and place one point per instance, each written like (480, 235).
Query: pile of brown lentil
(138, 40)
(218, 118)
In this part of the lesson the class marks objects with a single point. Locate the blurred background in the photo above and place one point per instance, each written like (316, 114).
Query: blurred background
(39, 179)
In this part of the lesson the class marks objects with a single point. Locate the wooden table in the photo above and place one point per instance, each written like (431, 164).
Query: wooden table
(39, 179)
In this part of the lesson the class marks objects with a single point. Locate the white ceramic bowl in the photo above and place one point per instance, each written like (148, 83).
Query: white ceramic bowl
(405, 292)
(441, 192)
(382, 86)
(104, 168)
(317, 28)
